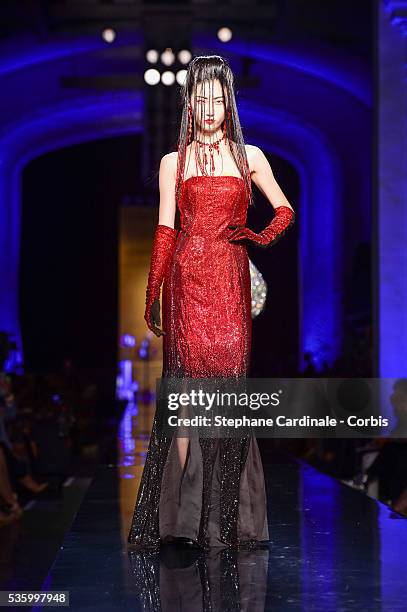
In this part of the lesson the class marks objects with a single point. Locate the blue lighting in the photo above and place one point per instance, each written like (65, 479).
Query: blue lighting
(65, 124)
(319, 220)
(27, 51)
(128, 340)
(321, 62)
(293, 135)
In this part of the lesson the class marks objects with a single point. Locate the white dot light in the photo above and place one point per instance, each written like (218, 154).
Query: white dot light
(167, 77)
(167, 57)
(108, 35)
(184, 56)
(152, 76)
(152, 56)
(180, 76)
(224, 34)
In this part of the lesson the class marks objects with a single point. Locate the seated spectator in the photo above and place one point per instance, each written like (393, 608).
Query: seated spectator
(18, 469)
(390, 465)
(400, 505)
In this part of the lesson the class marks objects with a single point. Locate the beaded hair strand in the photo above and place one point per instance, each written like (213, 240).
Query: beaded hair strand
(207, 68)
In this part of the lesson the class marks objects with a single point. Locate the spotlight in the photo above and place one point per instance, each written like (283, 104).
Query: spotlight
(224, 34)
(108, 35)
(152, 56)
(152, 76)
(184, 56)
(167, 77)
(167, 57)
(181, 76)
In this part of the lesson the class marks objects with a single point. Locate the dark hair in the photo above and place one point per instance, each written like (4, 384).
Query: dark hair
(208, 68)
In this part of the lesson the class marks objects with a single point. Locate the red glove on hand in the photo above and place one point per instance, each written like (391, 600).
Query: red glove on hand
(163, 248)
(284, 217)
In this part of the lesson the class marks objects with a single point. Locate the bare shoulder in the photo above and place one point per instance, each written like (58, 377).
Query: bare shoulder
(254, 154)
(168, 165)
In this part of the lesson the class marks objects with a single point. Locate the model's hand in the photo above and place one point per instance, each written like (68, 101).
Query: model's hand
(284, 217)
(153, 319)
(241, 232)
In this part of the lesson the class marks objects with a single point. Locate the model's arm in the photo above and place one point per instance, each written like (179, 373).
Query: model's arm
(168, 169)
(163, 244)
(264, 179)
(262, 175)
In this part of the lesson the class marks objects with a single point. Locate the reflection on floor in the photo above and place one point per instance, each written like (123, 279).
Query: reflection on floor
(332, 548)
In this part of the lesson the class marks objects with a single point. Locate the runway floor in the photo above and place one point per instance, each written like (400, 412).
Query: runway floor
(332, 548)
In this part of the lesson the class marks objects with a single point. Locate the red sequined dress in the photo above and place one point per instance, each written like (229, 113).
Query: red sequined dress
(218, 497)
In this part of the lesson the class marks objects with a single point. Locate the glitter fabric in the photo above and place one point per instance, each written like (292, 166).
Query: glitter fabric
(207, 293)
(217, 498)
(199, 581)
(284, 217)
(163, 246)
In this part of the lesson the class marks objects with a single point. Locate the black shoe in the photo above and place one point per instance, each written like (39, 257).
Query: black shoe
(186, 542)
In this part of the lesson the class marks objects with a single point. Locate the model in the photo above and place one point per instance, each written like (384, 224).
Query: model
(206, 492)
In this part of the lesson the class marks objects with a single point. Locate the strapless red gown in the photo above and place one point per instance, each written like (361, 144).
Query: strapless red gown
(219, 498)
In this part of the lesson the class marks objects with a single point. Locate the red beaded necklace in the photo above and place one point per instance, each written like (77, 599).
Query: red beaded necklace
(212, 146)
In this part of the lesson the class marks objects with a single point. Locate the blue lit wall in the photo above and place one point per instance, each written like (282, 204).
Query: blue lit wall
(391, 241)
(64, 125)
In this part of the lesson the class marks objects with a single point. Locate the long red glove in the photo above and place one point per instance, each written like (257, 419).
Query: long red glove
(162, 250)
(284, 217)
